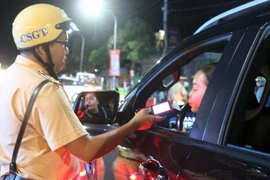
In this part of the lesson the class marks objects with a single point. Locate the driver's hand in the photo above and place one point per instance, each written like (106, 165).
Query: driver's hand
(142, 120)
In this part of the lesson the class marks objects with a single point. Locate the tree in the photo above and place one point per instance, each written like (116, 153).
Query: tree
(99, 58)
(135, 40)
(74, 56)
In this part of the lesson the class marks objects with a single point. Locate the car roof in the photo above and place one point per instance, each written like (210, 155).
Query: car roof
(240, 11)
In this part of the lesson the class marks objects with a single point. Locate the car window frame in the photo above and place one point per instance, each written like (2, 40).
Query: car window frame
(203, 44)
(248, 72)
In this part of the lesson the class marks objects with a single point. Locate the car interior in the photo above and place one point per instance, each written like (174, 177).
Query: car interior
(181, 120)
(251, 126)
(251, 119)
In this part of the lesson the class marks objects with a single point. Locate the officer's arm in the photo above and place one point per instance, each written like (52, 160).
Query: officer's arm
(88, 148)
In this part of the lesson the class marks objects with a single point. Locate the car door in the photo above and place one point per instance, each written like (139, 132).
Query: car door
(208, 150)
(166, 151)
(234, 137)
(96, 111)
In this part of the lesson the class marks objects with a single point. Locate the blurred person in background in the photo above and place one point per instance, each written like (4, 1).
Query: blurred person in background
(260, 91)
(177, 93)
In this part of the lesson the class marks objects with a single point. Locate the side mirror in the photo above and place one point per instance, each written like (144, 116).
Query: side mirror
(96, 107)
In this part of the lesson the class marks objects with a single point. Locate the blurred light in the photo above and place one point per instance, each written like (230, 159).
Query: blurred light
(83, 173)
(96, 70)
(161, 34)
(135, 176)
(92, 7)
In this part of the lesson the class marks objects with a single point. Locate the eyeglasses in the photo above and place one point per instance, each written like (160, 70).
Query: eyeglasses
(64, 43)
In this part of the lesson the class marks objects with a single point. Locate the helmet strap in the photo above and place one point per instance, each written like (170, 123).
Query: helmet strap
(47, 65)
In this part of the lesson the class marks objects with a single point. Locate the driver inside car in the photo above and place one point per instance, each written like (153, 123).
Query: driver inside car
(126, 162)
(200, 83)
(187, 113)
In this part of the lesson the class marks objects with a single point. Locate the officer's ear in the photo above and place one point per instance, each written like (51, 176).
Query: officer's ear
(41, 52)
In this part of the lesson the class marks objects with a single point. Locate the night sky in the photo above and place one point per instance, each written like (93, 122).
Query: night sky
(187, 15)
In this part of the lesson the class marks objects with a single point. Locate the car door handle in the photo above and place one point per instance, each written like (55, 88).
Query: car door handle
(152, 170)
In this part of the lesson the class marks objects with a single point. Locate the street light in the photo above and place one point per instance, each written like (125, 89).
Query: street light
(114, 42)
(94, 7)
(82, 50)
(115, 29)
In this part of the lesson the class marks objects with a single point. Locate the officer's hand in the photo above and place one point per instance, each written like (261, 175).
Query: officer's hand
(142, 120)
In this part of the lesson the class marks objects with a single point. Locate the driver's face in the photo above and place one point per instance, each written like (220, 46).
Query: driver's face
(197, 92)
(91, 101)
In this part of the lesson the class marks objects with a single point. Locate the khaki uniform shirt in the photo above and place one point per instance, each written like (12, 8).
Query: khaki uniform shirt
(52, 124)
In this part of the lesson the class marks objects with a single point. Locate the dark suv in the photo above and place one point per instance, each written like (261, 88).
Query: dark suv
(228, 137)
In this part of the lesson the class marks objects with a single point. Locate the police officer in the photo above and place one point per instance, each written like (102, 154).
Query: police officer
(55, 143)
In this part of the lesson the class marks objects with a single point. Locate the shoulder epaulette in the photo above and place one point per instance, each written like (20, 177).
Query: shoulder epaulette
(51, 79)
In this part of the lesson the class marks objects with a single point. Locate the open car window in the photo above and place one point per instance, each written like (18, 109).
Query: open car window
(181, 118)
